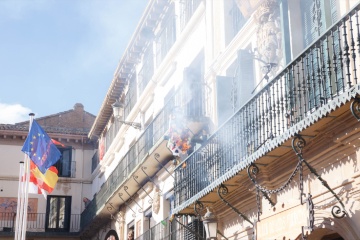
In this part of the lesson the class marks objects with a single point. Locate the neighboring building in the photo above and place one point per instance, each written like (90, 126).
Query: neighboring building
(237, 81)
(59, 214)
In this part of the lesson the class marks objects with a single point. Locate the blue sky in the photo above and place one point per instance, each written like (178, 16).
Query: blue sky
(55, 53)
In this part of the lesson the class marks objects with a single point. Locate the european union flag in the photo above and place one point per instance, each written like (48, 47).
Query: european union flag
(39, 147)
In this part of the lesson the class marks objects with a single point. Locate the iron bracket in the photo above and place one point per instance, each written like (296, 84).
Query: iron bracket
(151, 179)
(355, 108)
(156, 156)
(298, 143)
(150, 200)
(134, 213)
(198, 206)
(133, 199)
(223, 190)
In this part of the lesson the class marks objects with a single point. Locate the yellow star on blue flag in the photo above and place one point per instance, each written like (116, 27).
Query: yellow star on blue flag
(39, 147)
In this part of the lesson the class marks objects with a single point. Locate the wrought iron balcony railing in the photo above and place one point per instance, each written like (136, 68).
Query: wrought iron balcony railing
(36, 222)
(317, 78)
(154, 133)
(186, 227)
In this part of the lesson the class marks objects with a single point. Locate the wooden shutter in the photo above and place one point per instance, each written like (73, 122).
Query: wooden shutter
(244, 80)
(223, 96)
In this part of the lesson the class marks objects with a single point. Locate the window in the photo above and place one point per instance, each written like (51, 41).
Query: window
(64, 163)
(167, 35)
(130, 231)
(58, 212)
(317, 17)
(187, 9)
(130, 97)
(147, 70)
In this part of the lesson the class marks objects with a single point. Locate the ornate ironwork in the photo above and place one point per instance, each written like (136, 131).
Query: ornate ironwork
(254, 170)
(355, 108)
(311, 212)
(127, 204)
(136, 177)
(143, 168)
(258, 204)
(198, 206)
(223, 190)
(132, 199)
(298, 144)
(317, 18)
(132, 124)
(109, 208)
(311, 219)
(244, 137)
(198, 236)
(156, 156)
(222, 235)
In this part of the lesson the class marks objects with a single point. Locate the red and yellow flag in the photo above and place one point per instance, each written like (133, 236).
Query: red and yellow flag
(45, 181)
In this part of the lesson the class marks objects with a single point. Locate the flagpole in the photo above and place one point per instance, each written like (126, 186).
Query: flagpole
(23, 194)
(19, 201)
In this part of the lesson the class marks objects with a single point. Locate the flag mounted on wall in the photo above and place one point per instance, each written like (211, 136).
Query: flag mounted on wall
(40, 148)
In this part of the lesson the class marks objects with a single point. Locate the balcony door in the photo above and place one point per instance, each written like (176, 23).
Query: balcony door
(58, 212)
(317, 16)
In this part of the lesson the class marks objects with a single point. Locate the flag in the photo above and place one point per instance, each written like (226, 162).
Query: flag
(101, 148)
(40, 149)
(45, 181)
(57, 143)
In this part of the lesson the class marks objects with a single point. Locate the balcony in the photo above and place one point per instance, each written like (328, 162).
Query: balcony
(149, 152)
(186, 227)
(315, 89)
(36, 226)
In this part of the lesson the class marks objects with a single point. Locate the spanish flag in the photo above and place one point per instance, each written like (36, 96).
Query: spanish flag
(45, 181)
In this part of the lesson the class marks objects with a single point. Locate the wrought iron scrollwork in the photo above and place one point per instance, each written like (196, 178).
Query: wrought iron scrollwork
(110, 208)
(223, 190)
(311, 218)
(127, 204)
(252, 171)
(198, 236)
(198, 206)
(150, 200)
(133, 199)
(298, 143)
(151, 179)
(157, 156)
(355, 108)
